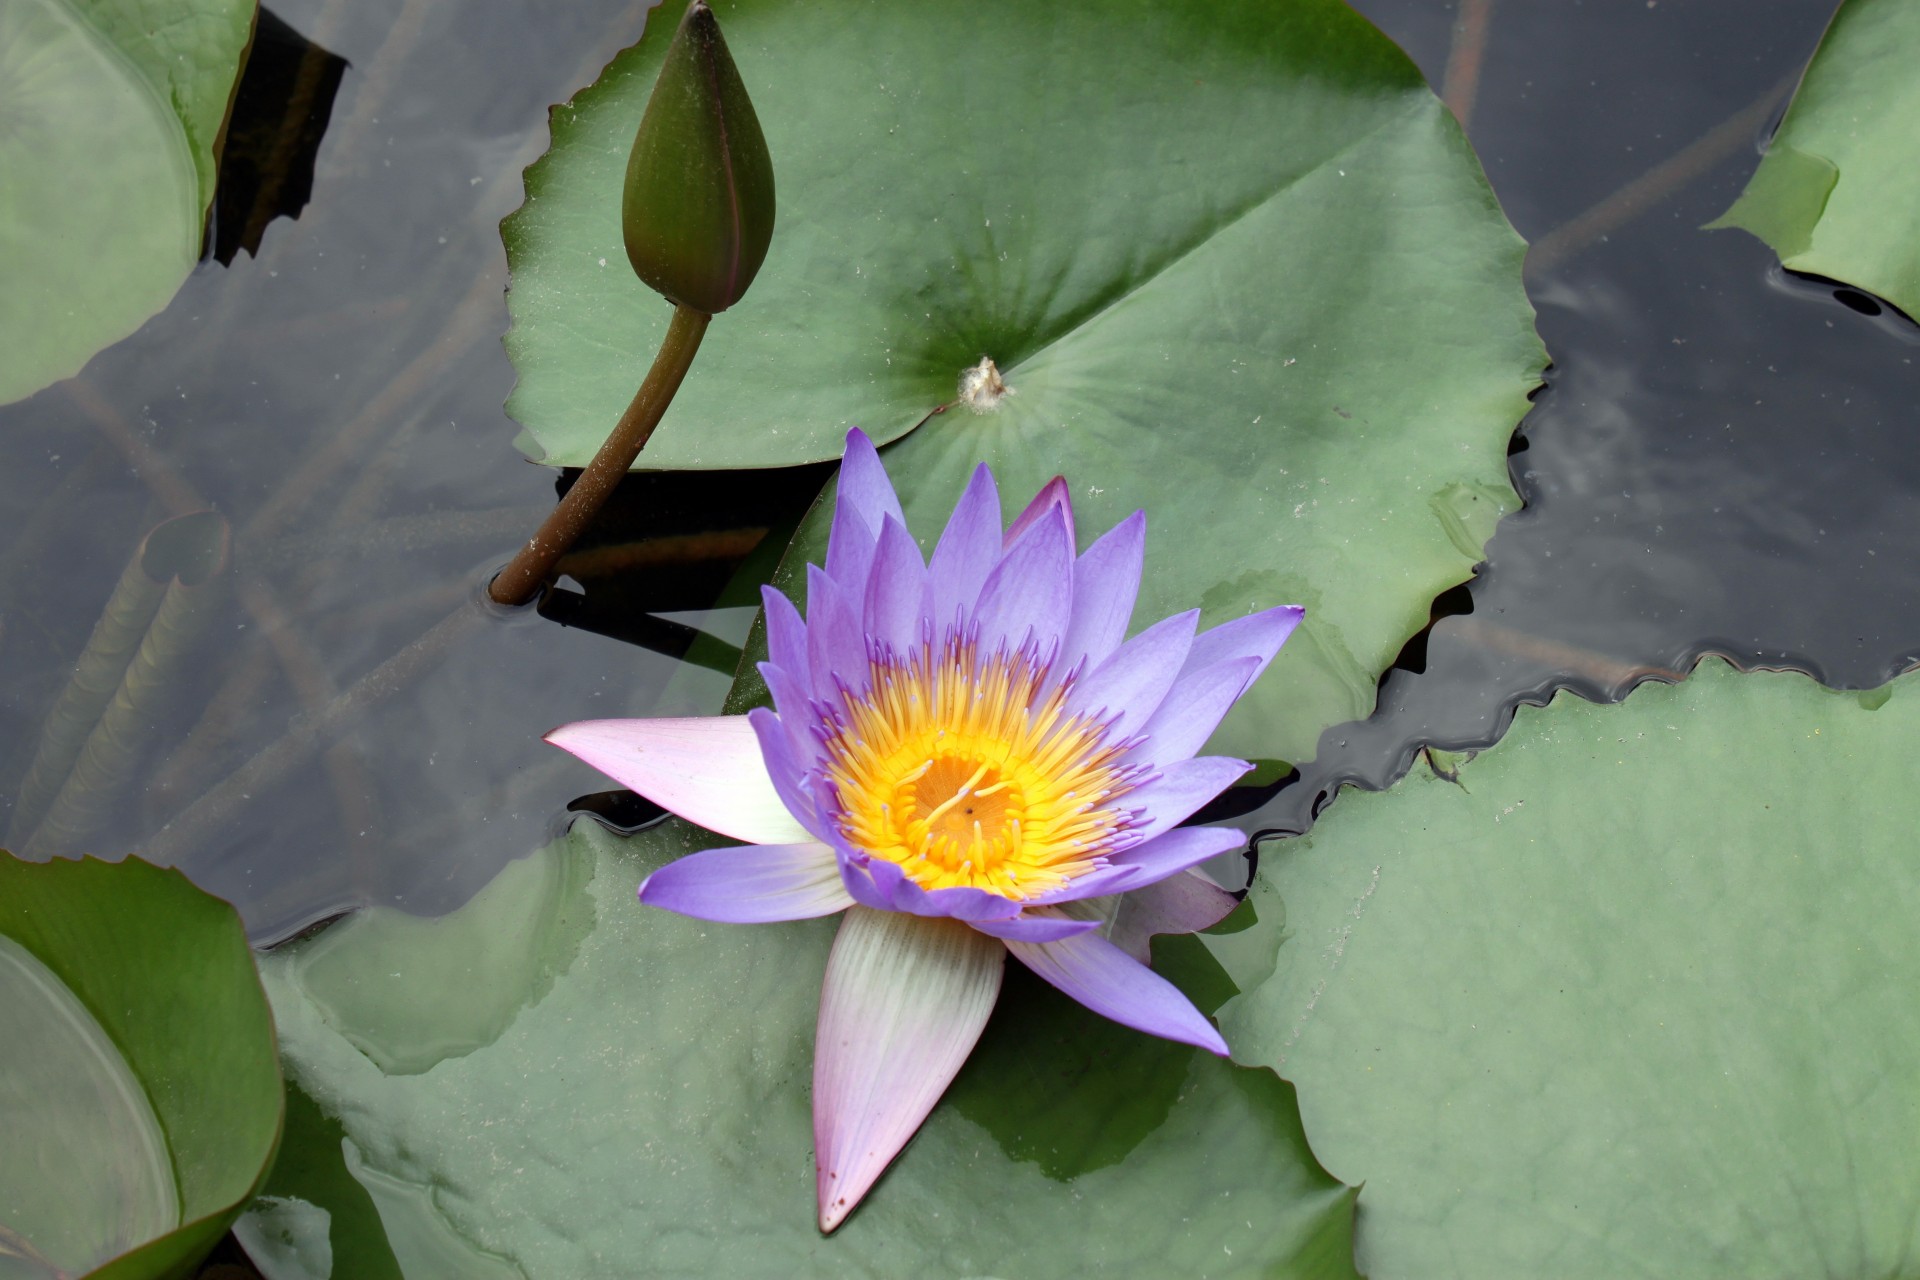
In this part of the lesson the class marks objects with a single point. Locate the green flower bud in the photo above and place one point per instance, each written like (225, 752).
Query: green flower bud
(698, 206)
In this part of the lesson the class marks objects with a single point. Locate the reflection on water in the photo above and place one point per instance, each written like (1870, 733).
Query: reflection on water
(1721, 459)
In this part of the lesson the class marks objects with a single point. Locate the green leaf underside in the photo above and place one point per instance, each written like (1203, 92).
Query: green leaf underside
(1241, 269)
(648, 1113)
(1838, 192)
(165, 1019)
(109, 113)
(1634, 997)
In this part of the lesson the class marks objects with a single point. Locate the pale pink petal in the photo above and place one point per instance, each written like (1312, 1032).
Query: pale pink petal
(706, 769)
(904, 1002)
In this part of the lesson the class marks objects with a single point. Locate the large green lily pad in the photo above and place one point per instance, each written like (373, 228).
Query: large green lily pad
(1634, 996)
(139, 1087)
(642, 1108)
(1838, 192)
(110, 120)
(1237, 263)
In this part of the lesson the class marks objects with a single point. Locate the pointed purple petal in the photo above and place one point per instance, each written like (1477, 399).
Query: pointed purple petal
(1179, 849)
(1035, 926)
(1053, 496)
(863, 500)
(792, 702)
(967, 550)
(868, 889)
(1106, 581)
(1114, 985)
(1129, 686)
(751, 884)
(1030, 591)
(708, 769)
(786, 633)
(1183, 903)
(1258, 635)
(896, 590)
(835, 646)
(1193, 709)
(1182, 787)
(904, 1002)
(784, 770)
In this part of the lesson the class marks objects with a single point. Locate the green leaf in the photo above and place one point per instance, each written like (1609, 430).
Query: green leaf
(139, 1087)
(645, 1108)
(1838, 192)
(109, 132)
(1239, 269)
(1635, 996)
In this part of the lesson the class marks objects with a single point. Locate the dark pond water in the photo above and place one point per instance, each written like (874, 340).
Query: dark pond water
(1721, 460)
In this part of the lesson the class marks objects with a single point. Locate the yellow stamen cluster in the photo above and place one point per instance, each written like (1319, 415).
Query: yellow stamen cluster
(965, 774)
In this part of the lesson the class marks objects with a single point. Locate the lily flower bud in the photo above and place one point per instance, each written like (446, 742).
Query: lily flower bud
(698, 205)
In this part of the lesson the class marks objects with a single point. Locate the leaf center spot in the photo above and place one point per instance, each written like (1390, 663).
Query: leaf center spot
(981, 388)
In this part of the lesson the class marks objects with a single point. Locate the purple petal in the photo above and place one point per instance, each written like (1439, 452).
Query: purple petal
(751, 884)
(1258, 635)
(1113, 984)
(784, 768)
(1035, 926)
(786, 633)
(1182, 787)
(1179, 849)
(1143, 864)
(904, 1002)
(792, 700)
(1183, 903)
(1129, 686)
(835, 646)
(968, 549)
(888, 888)
(896, 590)
(1053, 496)
(1030, 591)
(1106, 581)
(1193, 708)
(863, 500)
(708, 769)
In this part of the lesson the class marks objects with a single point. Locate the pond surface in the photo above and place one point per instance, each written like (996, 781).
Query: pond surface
(1721, 460)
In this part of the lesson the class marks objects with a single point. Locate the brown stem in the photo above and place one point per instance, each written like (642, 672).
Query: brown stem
(529, 571)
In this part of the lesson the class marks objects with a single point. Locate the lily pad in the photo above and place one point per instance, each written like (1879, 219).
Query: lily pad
(644, 1109)
(1838, 192)
(110, 120)
(1239, 268)
(1632, 997)
(139, 1088)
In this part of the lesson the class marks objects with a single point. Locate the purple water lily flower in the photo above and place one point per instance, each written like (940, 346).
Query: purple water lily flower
(967, 757)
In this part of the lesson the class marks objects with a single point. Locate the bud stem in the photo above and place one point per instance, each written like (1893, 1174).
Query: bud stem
(523, 577)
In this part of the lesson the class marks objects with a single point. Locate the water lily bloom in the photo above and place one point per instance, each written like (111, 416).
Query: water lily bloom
(967, 757)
